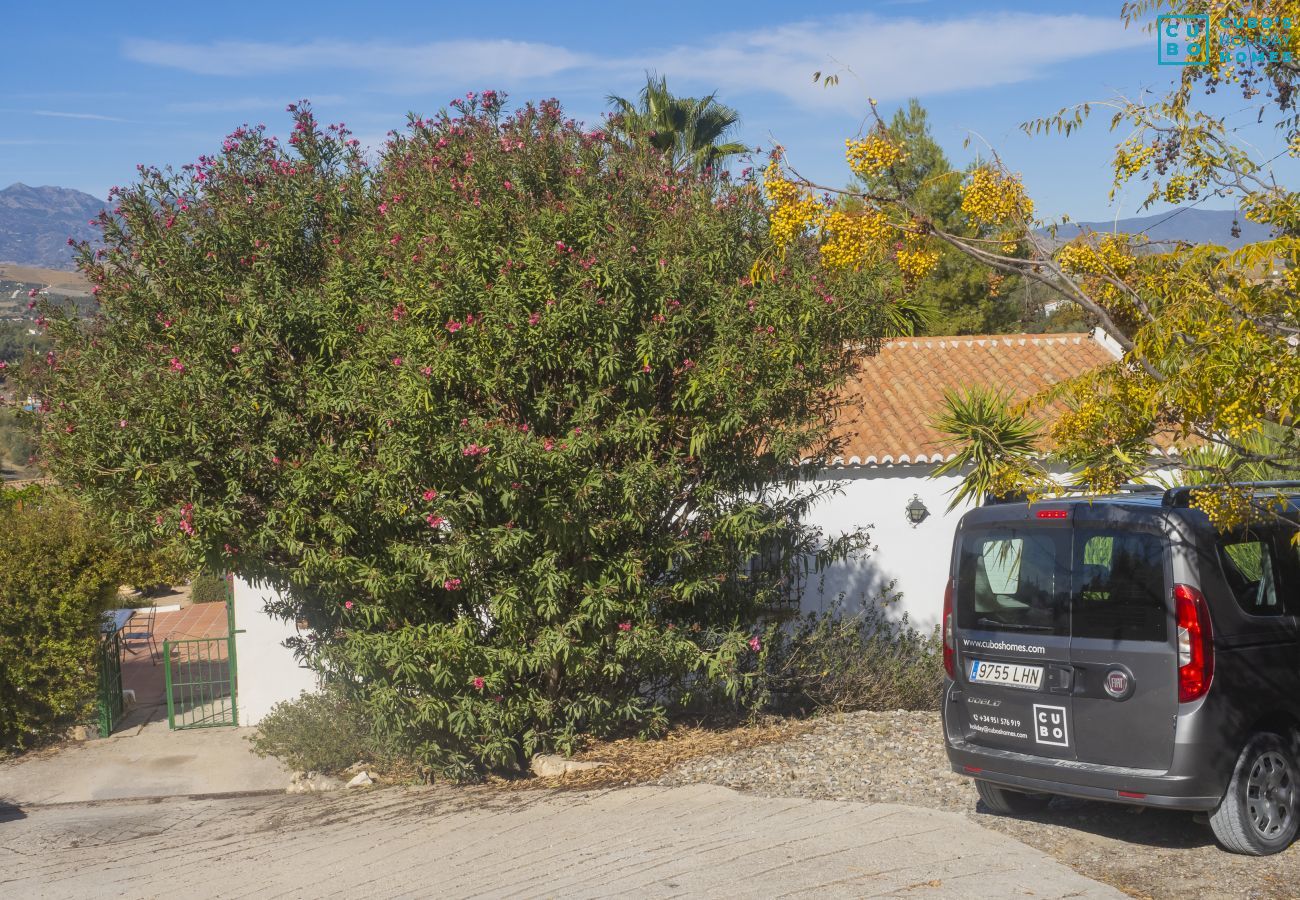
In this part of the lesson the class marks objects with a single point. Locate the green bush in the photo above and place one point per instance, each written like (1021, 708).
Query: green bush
(842, 663)
(319, 732)
(57, 574)
(208, 589)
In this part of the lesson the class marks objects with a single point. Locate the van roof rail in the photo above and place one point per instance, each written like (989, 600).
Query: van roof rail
(1133, 487)
(1182, 496)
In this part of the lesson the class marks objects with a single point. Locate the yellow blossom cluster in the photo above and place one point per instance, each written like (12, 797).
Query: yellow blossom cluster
(1131, 157)
(873, 154)
(794, 208)
(1110, 256)
(990, 197)
(854, 237)
(1227, 507)
(1176, 189)
(916, 263)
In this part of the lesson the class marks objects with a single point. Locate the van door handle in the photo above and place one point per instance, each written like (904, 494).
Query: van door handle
(1060, 679)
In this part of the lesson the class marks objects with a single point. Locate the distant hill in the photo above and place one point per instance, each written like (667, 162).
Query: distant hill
(36, 222)
(1195, 226)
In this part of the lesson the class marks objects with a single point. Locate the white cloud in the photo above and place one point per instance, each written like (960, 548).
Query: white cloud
(886, 57)
(890, 58)
(56, 114)
(419, 63)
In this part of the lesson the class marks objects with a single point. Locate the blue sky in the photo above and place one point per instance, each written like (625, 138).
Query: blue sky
(161, 83)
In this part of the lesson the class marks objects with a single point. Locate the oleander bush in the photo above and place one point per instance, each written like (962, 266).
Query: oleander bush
(503, 411)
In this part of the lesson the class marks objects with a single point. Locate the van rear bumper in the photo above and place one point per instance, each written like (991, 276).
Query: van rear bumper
(1088, 781)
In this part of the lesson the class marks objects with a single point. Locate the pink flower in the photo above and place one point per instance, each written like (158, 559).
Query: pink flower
(236, 349)
(3, 365)
(646, 367)
(395, 240)
(479, 683)
(755, 644)
(624, 626)
(453, 326)
(507, 185)
(426, 371)
(347, 605)
(275, 460)
(121, 423)
(434, 521)
(177, 365)
(397, 360)
(429, 495)
(534, 318)
(399, 312)
(451, 584)
(548, 444)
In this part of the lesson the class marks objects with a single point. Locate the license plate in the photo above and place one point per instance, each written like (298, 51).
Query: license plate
(1007, 674)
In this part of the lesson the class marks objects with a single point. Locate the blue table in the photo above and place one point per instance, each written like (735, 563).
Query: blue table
(114, 620)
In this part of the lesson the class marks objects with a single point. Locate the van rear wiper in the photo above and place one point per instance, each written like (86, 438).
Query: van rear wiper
(1013, 626)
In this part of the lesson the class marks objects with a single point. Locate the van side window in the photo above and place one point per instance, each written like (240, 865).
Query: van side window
(1248, 567)
(1119, 585)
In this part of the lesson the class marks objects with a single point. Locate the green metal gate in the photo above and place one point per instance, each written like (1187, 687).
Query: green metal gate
(201, 677)
(110, 682)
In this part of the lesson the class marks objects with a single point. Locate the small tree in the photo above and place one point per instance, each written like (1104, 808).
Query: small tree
(57, 574)
(502, 412)
(1208, 334)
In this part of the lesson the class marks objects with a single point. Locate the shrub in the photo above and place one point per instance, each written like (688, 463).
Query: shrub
(860, 662)
(57, 574)
(317, 732)
(208, 589)
(504, 411)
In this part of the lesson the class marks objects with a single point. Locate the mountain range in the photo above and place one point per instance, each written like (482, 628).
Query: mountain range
(36, 222)
(1195, 226)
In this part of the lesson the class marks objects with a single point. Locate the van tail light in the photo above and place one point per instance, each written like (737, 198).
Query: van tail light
(949, 642)
(1195, 643)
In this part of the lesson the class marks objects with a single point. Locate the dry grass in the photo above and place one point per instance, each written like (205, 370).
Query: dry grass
(57, 279)
(634, 760)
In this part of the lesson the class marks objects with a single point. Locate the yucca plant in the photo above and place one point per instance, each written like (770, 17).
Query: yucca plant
(996, 441)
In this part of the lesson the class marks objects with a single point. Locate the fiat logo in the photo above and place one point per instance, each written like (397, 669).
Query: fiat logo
(1117, 683)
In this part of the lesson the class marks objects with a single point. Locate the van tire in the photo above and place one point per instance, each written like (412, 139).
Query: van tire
(1260, 811)
(1005, 802)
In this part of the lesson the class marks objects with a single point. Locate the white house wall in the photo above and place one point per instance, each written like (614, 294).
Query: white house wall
(268, 670)
(916, 558)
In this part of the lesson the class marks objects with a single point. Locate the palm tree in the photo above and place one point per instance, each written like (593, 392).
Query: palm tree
(689, 129)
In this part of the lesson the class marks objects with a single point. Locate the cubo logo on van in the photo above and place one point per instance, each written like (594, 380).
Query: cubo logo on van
(1118, 683)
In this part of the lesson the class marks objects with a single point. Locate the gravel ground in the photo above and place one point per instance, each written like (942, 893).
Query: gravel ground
(898, 757)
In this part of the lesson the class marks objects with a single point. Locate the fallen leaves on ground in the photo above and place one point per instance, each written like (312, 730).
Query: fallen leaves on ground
(636, 760)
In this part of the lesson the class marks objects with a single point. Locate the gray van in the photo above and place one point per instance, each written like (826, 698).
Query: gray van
(1119, 648)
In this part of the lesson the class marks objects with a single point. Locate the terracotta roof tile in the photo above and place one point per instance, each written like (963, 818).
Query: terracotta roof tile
(893, 396)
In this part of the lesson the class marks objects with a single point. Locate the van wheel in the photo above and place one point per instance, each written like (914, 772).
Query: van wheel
(1257, 815)
(1006, 802)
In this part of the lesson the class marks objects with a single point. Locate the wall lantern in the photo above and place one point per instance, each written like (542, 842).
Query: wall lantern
(916, 511)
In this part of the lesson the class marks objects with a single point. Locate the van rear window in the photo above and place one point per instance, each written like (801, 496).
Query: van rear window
(1014, 579)
(1089, 582)
(1119, 585)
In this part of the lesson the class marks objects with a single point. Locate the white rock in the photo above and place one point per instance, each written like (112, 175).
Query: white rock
(312, 783)
(550, 765)
(361, 779)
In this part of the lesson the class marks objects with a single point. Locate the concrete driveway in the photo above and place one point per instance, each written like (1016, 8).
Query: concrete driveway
(646, 842)
(145, 761)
